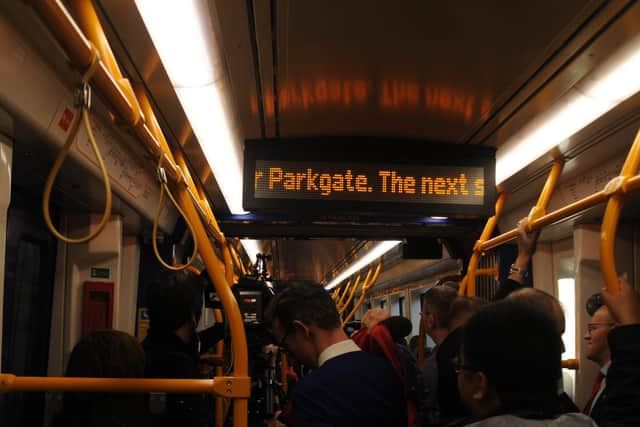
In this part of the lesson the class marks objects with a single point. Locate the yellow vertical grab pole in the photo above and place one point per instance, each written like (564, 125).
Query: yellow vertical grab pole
(339, 289)
(363, 294)
(334, 294)
(616, 190)
(342, 290)
(346, 290)
(342, 309)
(468, 284)
(239, 340)
(354, 285)
(219, 372)
(222, 245)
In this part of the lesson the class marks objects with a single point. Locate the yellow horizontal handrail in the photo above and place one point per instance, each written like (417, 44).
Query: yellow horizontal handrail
(573, 364)
(220, 386)
(547, 219)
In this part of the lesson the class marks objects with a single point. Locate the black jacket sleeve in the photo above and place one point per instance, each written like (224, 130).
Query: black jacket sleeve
(506, 287)
(619, 403)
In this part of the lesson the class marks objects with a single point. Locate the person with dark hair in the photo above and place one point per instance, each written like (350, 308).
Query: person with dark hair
(346, 386)
(544, 301)
(387, 338)
(175, 305)
(597, 350)
(104, 354)
(500, 340)
(449, 402)
(435, 303)
(549, 304)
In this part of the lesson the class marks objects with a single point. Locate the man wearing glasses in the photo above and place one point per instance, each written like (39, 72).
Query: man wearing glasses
(597, 350)
(346, 386)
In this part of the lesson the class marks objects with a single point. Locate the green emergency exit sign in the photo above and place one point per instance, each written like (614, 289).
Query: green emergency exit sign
(99, 273)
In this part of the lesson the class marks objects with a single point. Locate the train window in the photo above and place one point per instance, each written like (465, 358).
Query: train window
(383, 301)
(401, 306)
(29, 273)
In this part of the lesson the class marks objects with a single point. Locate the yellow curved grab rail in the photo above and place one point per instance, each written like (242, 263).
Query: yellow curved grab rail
(352, 294)
(363, 294)
(79, 51)
(468, 284)
(616, 190)
(346, 290)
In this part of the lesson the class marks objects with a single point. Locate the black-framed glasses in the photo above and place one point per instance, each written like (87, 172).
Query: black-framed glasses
(458, 366)
(281, 344)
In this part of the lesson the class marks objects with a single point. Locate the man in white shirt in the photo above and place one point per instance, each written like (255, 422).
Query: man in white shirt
(346, 386)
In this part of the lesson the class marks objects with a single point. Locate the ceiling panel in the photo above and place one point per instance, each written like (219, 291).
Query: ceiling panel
(410, 68)
(309, 259)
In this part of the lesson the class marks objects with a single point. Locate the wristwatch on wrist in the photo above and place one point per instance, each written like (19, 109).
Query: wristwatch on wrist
(521, 271)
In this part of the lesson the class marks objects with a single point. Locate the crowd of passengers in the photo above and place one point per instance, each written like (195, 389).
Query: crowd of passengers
(495, 363)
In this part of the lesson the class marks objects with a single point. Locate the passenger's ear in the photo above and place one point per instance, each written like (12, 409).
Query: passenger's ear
(480, 385)
(302, 328)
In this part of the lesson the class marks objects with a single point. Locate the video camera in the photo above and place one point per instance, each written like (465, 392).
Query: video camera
(253, 294)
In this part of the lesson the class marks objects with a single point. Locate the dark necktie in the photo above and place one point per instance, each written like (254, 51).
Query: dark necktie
(594, 392)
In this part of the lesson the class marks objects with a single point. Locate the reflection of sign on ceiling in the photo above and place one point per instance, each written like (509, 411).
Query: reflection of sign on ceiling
(389, 95)
(357, 177)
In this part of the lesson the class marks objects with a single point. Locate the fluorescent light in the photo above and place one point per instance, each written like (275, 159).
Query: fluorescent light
(439, 218)
(607, 85)
(379, 250)
(252, 248)
(205, 110)
(567, 116)
(182, 34)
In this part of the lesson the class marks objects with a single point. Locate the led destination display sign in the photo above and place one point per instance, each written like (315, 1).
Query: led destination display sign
(381, 183)
(321, 177)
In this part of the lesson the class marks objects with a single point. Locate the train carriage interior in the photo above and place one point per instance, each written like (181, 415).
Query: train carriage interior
(361, 145)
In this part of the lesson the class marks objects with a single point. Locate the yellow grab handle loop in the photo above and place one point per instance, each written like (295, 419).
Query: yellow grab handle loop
(84, 99)
(162, 177)
(62, 154)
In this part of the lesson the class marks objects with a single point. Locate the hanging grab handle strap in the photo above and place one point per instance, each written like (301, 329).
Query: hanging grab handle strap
(162, 178)
(83, 103)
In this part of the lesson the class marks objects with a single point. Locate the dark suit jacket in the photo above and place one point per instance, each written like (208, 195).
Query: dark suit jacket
(353, 389)
(619, 403)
